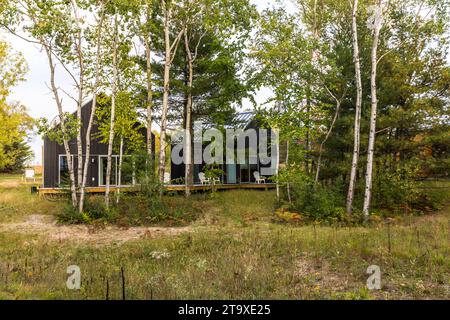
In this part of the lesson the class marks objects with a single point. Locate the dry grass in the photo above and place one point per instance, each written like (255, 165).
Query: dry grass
(233, 252)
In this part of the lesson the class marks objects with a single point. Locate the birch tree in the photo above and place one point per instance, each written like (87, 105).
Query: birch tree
(98, 40)
(358, 106)
(79, 53)
(338, 101)
(145, 31)
(127, 129)
(193, 12)
(375, 23)
(170, 49)
(114, 85)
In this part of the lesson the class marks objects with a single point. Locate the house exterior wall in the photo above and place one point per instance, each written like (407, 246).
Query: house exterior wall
(53, 150)
(233, 173)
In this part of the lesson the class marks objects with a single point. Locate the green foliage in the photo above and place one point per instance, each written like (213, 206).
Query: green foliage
(413, 91)
(126, 126)
(15, 122)
(313, 201)
(52, 130)
(150, 188)
(20, 154)
(395, 188)
(95, 212)
(213, 171)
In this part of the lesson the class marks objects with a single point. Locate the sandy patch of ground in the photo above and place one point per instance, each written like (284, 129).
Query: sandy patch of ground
(9, 184)
(47, 226)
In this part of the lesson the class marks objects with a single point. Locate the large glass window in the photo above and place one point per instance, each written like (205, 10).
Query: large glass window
(103, 168)
(127, 177)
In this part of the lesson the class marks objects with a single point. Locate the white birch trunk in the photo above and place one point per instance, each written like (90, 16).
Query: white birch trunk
(62, 123)
(374, 106)
(288, 185)
(357, 128)
(113, 113)
(119, 170)
(93, 109)
(149, 98)
(278, 170)
(188, 122)
(170, 51)
(80, 58)
(149, 73)
(165, 103)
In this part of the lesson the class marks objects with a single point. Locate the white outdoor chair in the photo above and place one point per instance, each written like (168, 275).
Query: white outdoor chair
(258, 177)
(203, 179)
(215, 180)
(29, 174)
(166, 178)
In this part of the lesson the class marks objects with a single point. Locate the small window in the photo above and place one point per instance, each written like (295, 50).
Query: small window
(63, 173)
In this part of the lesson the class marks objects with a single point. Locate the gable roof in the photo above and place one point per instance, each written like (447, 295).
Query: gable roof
(241, 120)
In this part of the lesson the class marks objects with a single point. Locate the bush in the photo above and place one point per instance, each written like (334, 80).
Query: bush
(394, 189)
(431, 196)
(312, 200)
(213, 171)
(399, 191)
(94, 211)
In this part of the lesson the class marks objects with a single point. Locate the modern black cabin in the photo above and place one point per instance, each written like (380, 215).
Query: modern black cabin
(232, 173)
(56, 172)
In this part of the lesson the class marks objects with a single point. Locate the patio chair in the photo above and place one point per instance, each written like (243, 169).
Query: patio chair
(29, 174)
(258, 178)
(203, 179)
(167, 178)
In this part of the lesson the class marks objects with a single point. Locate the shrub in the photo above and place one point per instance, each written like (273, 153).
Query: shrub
(394, 189)
(399, 191)
(213, 171)
(311, 199)
(94, 211)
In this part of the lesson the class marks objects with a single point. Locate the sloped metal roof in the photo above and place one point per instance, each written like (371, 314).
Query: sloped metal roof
(240, 120)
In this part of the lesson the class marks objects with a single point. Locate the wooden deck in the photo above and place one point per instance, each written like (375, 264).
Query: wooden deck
(171, 187)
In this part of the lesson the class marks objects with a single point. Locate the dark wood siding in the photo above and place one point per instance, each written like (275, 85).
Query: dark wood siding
(52, 151)
(178, 170)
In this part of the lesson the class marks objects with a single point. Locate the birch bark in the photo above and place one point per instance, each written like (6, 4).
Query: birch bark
(377, 24)
(94, 106)
(170, 50)
(358, 106)
(113, 111)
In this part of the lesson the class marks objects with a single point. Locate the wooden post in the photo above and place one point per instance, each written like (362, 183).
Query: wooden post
(123, 283)
(389, 237)
(107, 289)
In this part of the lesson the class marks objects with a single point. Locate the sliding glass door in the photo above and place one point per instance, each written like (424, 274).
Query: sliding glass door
(127, 177)
(103, 163)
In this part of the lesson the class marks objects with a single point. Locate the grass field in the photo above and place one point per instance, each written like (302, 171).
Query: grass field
(233, 250)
